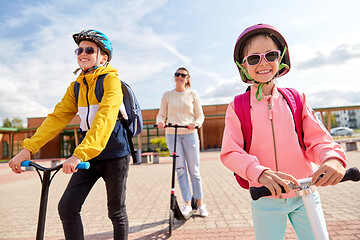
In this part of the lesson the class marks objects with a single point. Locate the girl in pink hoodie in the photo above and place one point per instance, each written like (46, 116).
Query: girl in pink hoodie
(275, 156)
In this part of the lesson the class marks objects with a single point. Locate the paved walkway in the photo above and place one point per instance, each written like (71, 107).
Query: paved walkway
(148, 196)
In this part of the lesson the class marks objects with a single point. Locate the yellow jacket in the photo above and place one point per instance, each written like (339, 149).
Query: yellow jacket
(97, 119)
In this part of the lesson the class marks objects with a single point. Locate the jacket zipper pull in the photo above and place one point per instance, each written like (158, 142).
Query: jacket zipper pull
(270, 110)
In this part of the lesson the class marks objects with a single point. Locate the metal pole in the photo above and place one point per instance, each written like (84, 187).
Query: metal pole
(172, 197)
(319, 231)
(43, 205)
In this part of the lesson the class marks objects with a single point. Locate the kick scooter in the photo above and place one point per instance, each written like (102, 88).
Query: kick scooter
(306, 193)
(46, 179)
(175, 211)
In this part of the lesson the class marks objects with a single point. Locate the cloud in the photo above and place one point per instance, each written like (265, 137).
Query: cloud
(224, 91)
(333, 98)
(338, 55)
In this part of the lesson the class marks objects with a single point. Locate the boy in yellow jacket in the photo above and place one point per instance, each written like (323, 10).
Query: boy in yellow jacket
(104, 140)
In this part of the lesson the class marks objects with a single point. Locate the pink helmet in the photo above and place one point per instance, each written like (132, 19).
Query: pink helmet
(284, 66)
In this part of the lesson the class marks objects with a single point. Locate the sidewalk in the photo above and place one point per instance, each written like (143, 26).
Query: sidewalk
(148, 196)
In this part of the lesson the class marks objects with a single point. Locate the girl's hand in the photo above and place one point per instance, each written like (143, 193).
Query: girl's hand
(272, 180)
(15, 162)
(69, 166)
(161, 125)
(333, 171)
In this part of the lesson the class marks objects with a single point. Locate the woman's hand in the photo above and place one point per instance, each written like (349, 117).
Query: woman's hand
(333, 171)
(192, 126)
(69, 166)
(272, 180)
(15, 162)
(161, 125)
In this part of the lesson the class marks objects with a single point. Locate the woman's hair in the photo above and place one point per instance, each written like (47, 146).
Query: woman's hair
(248, 41)
(188, 84)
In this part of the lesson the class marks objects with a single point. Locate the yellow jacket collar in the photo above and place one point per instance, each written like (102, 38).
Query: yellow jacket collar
(90, 78)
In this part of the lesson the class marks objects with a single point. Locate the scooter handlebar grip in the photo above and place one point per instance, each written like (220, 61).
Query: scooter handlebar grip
(352, 174)
(258, 192)
(26, 163)
(83, 165)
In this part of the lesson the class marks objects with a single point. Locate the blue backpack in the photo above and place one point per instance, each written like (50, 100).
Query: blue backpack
(129, 113)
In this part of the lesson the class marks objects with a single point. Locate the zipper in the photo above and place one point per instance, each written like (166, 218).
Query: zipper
(88, 104)
(273, 133)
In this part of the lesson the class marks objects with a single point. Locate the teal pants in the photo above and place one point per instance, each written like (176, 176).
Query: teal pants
(270, 217)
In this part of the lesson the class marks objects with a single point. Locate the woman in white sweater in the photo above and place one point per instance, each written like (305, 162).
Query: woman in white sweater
(182, 106)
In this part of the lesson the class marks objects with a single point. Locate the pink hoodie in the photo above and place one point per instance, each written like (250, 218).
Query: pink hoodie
(273, 134)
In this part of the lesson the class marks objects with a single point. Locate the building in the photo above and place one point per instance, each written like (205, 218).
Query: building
(210, 133)
(348, 118)
(64, 143)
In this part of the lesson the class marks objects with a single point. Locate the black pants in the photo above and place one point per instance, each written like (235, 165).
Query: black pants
(114, 172)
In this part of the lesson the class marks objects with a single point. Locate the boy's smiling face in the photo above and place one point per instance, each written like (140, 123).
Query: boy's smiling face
(87, 61)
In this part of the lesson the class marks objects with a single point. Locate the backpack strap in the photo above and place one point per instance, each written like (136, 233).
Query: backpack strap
(99, 89)
(76, 90)
(294, 101)
(242, 110)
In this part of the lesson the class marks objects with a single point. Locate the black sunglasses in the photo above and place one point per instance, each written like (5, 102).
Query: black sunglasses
(88, 50)
(180, 74)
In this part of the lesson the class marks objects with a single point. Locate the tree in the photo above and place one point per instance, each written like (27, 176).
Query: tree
(16, 122)
(332, 120)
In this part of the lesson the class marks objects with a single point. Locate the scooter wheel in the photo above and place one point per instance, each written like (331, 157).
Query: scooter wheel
(171, 222)
(194, 204)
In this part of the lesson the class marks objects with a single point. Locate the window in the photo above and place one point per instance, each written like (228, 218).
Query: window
(6, 149)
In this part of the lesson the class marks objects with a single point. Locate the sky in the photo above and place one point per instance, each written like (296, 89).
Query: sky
(153, 38)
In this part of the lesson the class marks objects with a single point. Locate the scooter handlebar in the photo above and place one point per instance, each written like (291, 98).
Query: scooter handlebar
(82, 165)
(175, 126)
(352, 174)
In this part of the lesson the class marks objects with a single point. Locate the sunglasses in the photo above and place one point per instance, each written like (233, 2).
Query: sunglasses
(180, 74)
(88, 50)
(270, 56)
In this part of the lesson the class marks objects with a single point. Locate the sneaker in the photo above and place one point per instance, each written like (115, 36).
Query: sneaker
(203, 211)
(186, 210)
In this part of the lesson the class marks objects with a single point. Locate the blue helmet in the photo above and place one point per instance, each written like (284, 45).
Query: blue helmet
(96, 37)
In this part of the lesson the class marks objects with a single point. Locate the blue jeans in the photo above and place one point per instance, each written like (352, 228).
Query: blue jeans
(270, 217)
(114, 172)
(188, 150)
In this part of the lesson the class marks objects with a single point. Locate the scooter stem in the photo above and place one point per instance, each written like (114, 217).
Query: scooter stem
(319, 231)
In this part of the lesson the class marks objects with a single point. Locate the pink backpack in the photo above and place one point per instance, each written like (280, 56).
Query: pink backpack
(242, 110)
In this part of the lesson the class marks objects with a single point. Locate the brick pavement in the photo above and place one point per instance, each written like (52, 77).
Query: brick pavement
(148, 198)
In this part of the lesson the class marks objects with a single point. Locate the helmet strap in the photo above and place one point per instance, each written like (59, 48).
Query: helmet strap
(243, 71)
(283, 65)
(245, 74)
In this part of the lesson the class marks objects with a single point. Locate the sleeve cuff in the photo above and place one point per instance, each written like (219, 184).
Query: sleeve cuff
(254, 171)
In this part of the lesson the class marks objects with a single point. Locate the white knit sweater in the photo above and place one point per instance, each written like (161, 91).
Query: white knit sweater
(180, 108)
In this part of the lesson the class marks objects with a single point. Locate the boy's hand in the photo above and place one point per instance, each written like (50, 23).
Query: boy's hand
(333, 171)
(15, 162)
(69, 166)
(272, 180)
